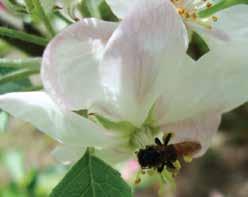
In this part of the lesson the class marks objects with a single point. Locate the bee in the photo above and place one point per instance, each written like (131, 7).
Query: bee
(160, 154)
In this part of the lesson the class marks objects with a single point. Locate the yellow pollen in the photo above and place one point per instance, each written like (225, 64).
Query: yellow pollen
(190, 14)
(215, 18)
(187, 15)
(209, 5)
(180, 11)
(194, 16)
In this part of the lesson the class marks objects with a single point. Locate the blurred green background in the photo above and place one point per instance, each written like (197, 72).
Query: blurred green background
(27, 168)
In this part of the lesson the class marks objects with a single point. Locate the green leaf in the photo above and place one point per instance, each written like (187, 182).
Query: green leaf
(21, 84)
(220, 6)
(43, 17)
(21, 63)
(11, 33)
(17, 75)
(3, 121)
(106, 12)
(91, 177)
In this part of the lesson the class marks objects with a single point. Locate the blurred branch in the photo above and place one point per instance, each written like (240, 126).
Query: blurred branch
(11, 33)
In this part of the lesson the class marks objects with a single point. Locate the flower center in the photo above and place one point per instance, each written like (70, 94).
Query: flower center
(188, 9)
(142, 137)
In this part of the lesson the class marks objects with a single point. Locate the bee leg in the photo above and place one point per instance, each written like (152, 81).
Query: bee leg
(157, 141)
(160, 168)
(167, 138)
(170, 165)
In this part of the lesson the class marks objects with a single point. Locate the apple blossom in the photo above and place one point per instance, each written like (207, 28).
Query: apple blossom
(134, 81)
(203, 16)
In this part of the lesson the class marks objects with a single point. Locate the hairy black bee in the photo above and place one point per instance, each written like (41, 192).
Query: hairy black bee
(160, 154)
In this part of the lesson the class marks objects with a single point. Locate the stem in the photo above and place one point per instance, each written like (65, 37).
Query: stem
(20, 74)
(6, 32)
(43, 17)
(31, 63)
(220, 6)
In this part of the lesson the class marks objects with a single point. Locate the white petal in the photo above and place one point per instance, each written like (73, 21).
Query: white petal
(234, 21)
(71, 154)
(120, 7)
(231, 26)
(214, 34)
(38, 109)
(70, 63)
(199, 129)
(138, 55)
(68, 155)
(217, 82)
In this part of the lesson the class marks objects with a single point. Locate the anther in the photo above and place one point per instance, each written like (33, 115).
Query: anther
(209, 5)
(180, 11)
(214, 18)
(194, 16)
(186, 15)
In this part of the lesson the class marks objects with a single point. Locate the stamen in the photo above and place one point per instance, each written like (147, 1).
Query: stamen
(188, 9)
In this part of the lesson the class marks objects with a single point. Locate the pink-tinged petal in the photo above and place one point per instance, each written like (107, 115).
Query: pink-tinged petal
(2, 6)
(67, 127)
(199, 129)
(140, 55)
(216, 82)
(129, 169)
(70, 63)
(120, 7)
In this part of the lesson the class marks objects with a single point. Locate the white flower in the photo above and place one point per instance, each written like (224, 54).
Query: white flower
(137, 75)
(223, 25)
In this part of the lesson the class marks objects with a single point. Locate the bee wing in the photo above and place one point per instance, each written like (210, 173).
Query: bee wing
(187, 148)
